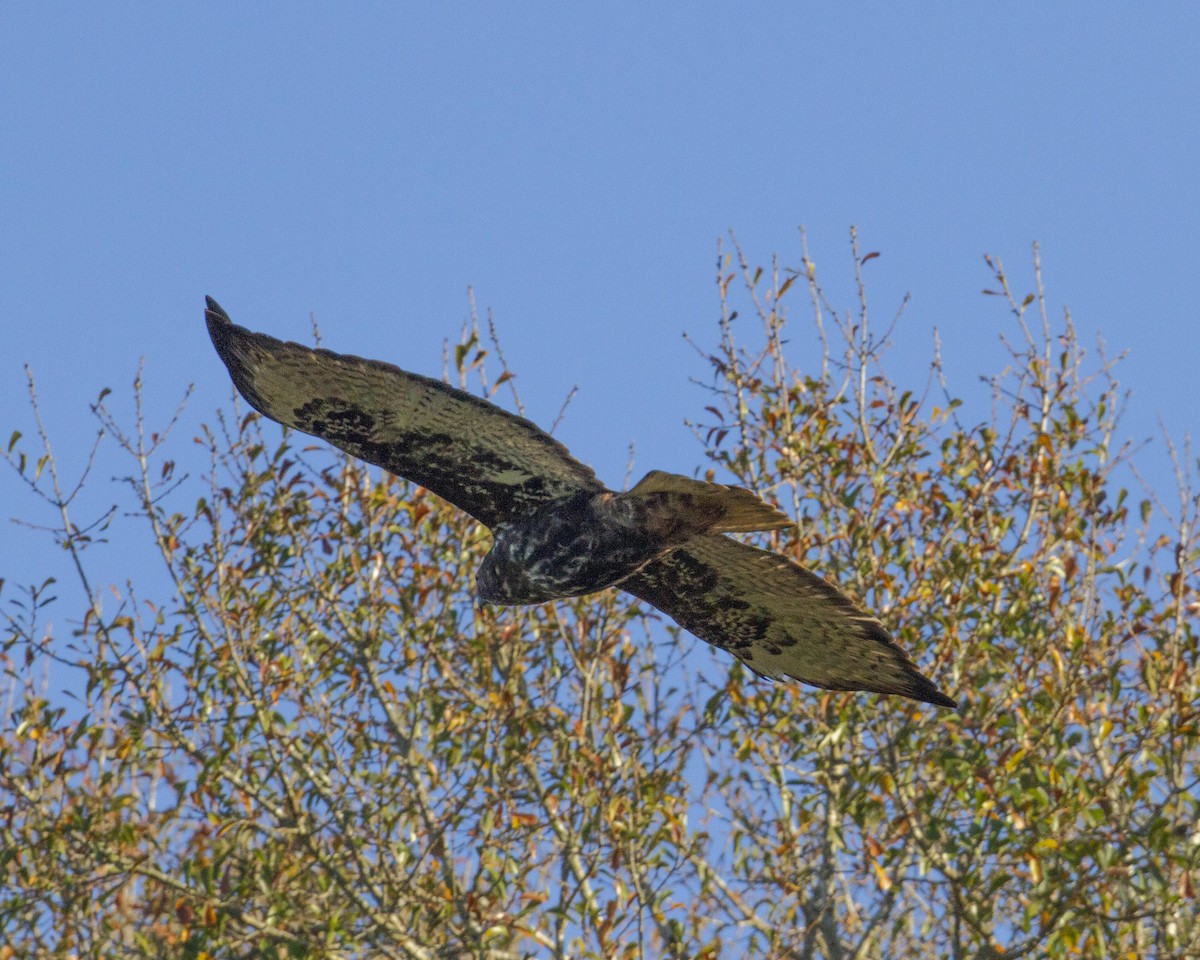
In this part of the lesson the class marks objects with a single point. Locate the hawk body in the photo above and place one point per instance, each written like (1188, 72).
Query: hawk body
(565, 549)
(560, 533)
(589, 541)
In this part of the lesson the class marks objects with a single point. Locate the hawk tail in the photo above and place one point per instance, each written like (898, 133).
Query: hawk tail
(710, 507)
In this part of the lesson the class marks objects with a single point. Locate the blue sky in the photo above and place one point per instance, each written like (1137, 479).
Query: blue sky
(576, 165)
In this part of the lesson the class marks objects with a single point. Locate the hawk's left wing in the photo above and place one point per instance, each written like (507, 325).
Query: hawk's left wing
(778, 618)
(485, 460)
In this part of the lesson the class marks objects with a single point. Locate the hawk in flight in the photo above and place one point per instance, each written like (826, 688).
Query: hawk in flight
(560, 533)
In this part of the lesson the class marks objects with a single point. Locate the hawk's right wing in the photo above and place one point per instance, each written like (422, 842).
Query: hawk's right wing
(778, 618)
(483, 459)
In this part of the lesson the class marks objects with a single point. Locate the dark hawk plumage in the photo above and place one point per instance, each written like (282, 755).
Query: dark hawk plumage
(559, 532)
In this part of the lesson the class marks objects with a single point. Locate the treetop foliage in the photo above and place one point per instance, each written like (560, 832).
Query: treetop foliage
(314, 743)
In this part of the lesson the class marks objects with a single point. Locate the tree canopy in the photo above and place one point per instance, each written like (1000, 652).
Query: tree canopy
(311, 741)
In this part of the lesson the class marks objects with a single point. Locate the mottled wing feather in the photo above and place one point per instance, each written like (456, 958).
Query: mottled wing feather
(484, 460)
(778, 618)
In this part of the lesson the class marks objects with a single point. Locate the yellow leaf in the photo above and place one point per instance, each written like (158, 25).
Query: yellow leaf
(1014, 761)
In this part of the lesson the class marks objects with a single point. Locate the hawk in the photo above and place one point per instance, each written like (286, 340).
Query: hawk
(559, 532)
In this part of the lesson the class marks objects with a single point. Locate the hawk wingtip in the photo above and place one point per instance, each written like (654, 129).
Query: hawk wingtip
(928, 693)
